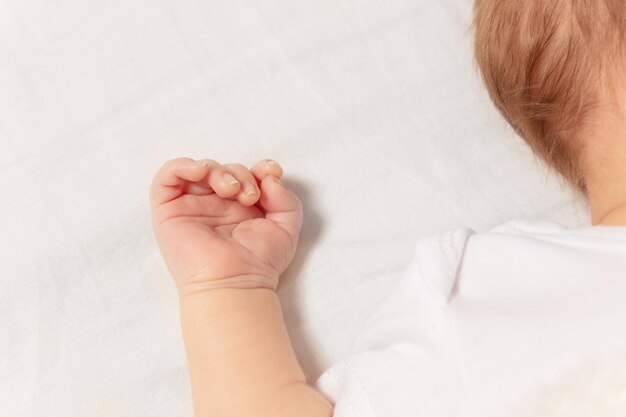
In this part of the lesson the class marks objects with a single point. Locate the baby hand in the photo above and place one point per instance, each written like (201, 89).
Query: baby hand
(224, 226)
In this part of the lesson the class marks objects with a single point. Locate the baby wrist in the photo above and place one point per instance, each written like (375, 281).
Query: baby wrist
(243, 282)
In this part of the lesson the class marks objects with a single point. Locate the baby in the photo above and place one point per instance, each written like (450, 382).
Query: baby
(526, 319)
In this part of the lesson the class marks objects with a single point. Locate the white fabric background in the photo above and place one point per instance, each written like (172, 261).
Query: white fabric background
(373, 108)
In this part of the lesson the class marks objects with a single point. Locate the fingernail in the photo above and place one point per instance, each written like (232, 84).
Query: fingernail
(249, 190)
(271, 163)
(229, 179)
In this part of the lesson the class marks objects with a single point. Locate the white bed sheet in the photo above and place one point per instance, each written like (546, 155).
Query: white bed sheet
(374, 109)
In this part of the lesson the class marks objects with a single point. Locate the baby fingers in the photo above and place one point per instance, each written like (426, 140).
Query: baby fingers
(221, 180)
(234, 181)
(249, 192)
(184, 175)
(168, 181)
(266, 167)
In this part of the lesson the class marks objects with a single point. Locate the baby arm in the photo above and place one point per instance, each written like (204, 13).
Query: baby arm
(226, 234)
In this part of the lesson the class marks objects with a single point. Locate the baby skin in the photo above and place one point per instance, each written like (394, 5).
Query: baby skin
(227, 233)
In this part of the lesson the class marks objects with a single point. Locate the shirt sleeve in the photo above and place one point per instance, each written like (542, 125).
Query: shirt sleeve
(406, 360)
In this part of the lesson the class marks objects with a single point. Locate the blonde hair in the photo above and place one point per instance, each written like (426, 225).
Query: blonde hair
(548, 66)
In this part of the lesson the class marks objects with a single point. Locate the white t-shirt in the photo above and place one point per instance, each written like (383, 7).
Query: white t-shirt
(492, 324)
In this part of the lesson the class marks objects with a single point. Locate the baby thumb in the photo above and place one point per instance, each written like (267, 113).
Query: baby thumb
(281, 206)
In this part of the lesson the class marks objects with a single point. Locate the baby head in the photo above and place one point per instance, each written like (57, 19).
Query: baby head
(551, 68)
